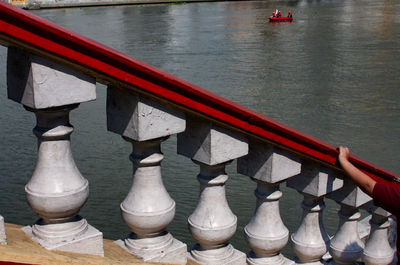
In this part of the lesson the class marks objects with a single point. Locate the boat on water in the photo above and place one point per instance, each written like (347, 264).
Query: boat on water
(280, 19)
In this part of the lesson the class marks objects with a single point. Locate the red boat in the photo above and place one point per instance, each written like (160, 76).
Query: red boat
(280, 19)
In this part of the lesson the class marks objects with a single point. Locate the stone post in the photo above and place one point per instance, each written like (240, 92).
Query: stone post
(265, 233)
(212, 223)
(377, 249)
(147, 209)
(57, 190)
(310, 241)
(346, 246)
(3, 237)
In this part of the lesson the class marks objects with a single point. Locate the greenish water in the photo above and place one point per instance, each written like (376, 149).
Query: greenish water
(333, 73)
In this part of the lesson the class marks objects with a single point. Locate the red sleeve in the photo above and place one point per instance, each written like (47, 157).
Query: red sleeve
(387, 197)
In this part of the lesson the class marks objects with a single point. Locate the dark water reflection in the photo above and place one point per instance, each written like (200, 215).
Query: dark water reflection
(333, 73)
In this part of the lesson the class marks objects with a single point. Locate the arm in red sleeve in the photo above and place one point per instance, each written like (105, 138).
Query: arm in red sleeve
(387, 197)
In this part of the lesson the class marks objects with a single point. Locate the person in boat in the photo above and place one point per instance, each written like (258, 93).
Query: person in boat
(273, 14)
(279, 13)
(384, 196)
(289, 14)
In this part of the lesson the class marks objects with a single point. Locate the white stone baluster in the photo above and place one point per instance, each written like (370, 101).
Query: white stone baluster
(377, 249)
(346, 246)
(57, 190)
(266, 234)
(212, 223)
(310, 241)
(3, 237)
(147, 209)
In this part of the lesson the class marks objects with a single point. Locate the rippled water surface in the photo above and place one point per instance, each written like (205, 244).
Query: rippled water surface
(333, 73)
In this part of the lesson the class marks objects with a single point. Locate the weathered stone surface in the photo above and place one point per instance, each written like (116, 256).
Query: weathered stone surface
(350, 195)
(311, 241)
(139, 118)
(175, 252)
(90, 241)
(267, 163)
(346, 246)
(213, 223)
(57, 190)
(21, 249)
(3, 237)
(371, 208)
(209, 144)
(315, 180)
(377, 249)
(266, 234)
(39, 83)
(223, 256)
(148, 208)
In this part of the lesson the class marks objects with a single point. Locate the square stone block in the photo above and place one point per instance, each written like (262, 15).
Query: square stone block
(371, 208)
(350, 195)
(39, 83)
(141, 119)
(207, 143)
(316, 180)
(90, 242)
(267, 163)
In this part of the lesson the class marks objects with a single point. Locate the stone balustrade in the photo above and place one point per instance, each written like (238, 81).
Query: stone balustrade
(311, 241)
(57, 190)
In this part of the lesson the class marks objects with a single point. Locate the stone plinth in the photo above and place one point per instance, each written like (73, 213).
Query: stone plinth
(212, 223)
(377, 249)
(346, 247)
(266, 234)
(3, 237)
(147, 209)
(311, 241)
(56, 190)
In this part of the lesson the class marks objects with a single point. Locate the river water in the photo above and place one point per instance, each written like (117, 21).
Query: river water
(333, 73)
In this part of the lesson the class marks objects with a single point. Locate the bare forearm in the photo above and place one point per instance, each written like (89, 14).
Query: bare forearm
(362, 180)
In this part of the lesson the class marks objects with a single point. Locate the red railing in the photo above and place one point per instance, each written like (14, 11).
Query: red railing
(22, 29)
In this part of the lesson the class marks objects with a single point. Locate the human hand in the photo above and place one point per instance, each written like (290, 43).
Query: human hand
(344, 154)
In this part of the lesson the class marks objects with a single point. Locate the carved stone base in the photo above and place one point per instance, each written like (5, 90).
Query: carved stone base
(227, 255)
(275, 260)
(162, 249)
(89, 241)
(3, 238)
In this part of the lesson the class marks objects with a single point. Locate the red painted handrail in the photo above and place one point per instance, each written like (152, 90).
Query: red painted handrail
(23, 29)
